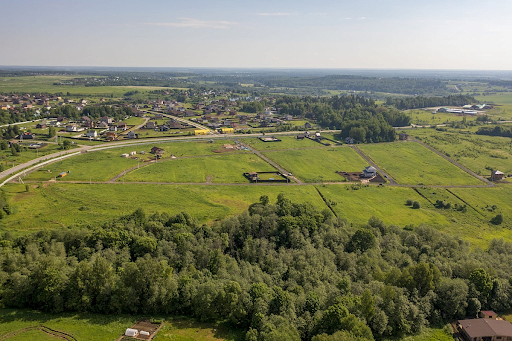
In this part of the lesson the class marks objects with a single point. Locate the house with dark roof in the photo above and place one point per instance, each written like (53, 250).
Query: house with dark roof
(369, 172)
(485, 329)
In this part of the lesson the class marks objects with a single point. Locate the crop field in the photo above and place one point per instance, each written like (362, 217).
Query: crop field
(287, 142)
(60, 205)
(216, 169)
(386, 203)
(411, 163)
(425, 117)
(479, 153)
(319, 164)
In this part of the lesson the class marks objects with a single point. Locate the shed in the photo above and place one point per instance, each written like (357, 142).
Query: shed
(487, 314)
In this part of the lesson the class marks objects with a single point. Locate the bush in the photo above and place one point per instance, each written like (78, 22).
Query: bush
(497, 219)
(409, 202)
(416, 205)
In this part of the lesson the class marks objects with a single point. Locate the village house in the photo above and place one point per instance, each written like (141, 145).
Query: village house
(485, 329)
(132, 135)
(157, 151)
(91, 134)
(369, 172)
(150, 125)
(122, 126)
(71, 128)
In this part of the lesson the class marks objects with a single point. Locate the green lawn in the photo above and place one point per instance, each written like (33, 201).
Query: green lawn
(227, 168)
(60, 205)
(319, 165)
(411, 163)
(191, 330)
(287, 142)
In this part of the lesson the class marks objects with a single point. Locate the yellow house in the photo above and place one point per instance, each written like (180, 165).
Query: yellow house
(226, 130)
(201, 132)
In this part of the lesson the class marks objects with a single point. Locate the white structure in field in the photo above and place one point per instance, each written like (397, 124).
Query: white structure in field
(131, 332)
(369, 172)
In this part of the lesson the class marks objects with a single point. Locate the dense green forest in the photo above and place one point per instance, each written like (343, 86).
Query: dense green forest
(356, 116)
(423, 102)
(95, 112)
(280, 271)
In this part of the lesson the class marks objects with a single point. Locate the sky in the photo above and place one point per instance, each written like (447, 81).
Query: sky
(372, 34)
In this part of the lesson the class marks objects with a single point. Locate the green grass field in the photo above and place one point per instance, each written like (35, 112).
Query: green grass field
(94, 327)
(61, 205)
(228, 168)
(287, 142)
(411, 163)
(479, 153)
(385, 203)
(319, 164)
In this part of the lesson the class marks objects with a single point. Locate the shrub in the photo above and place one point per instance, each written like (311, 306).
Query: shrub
(409, 202)
(416, 205)
(497, 219)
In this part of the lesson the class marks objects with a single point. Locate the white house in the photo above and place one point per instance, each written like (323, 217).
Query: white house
(91, 134)
(369, 172)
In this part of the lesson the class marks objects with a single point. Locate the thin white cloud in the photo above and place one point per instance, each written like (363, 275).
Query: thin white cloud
(362, 18)
(195, 23)
(276, 14)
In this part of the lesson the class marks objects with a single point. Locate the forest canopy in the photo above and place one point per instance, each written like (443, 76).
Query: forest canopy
(280, 270)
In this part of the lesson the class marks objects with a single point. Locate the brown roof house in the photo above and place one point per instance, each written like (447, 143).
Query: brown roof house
(157, 151)
(485, 329)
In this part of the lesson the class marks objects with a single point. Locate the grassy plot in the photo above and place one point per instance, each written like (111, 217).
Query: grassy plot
(191, 330)
(287, 142)
(94, 166)
(477, 152)
(385, 203)
(60, 205)
(227, 168)
(411, 163)
(81, 326)
(319, 165)
(427, 334)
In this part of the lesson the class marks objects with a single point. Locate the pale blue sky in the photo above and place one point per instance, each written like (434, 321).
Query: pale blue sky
(435, 34)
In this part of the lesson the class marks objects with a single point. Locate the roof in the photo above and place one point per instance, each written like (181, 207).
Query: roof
(486, 327)
(370, 169)
(489, 312)
(498, 173)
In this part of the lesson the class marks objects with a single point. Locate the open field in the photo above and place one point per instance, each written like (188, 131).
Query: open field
(385, 203)
(287, 142)
(319, 164)
(95, 327)
(81, 326)
(411, 163)
(425, 117)
(105, 164)
(480, 153)
(216, 169)
(61, 205)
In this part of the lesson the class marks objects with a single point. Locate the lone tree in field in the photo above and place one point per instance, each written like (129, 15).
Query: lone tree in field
(416, 205)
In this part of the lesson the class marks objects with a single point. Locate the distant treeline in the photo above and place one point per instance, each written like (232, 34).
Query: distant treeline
(498, 130)
(411, 86)
(424, 102)
(356, 116)
(95, 112)
(279, 271)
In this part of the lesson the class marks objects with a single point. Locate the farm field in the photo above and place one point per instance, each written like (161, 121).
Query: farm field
(413, 164)
(216, 169)
(61, 205)
(319, 164)
(479, 153)
(287, 142)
